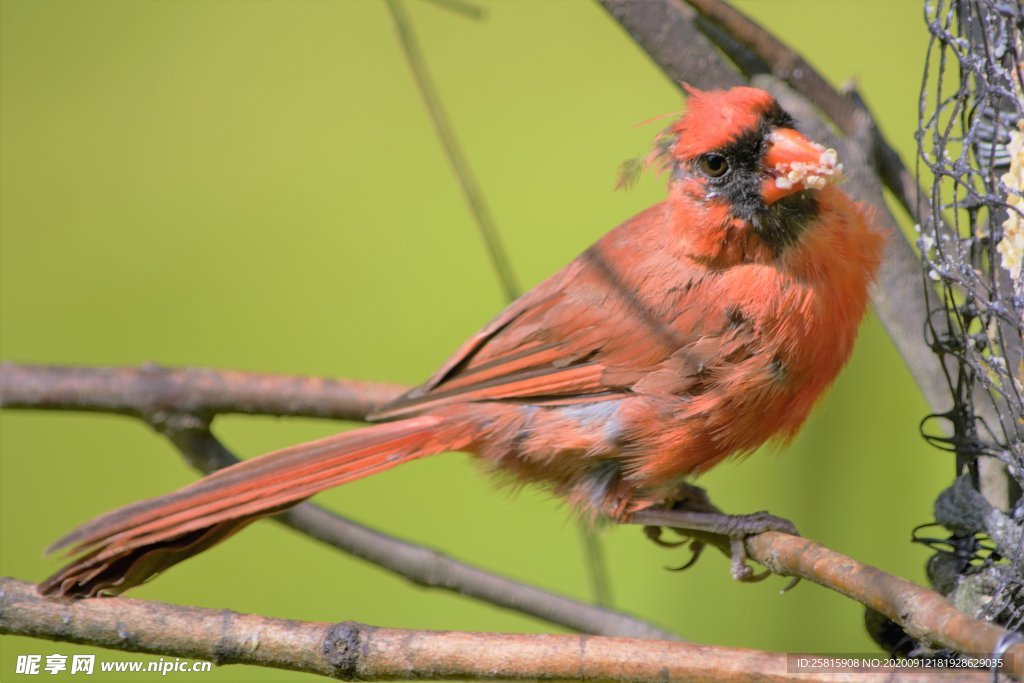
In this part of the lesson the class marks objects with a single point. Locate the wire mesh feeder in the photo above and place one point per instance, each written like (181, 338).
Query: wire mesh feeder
(971, 153)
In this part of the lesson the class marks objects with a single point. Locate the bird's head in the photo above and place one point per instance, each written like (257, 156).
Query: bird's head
(737, 150)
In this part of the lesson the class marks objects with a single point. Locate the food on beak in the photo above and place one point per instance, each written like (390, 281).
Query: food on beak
(795, 163)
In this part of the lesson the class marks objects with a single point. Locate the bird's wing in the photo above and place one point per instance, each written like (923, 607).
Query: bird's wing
(526, 353)
(584, 334)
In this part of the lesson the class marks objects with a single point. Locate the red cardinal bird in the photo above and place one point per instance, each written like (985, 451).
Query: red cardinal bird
(698, 329)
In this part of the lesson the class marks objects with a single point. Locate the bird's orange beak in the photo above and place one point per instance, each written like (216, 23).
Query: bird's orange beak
(794, 163)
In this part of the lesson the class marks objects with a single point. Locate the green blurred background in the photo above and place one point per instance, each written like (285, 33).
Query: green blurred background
(256, 185)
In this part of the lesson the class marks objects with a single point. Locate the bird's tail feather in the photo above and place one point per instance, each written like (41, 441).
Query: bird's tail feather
(127, 546)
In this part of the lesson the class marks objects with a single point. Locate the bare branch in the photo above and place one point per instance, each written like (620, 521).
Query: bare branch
(665, 29)
(151, 389)
(922, 613)
(352, 651)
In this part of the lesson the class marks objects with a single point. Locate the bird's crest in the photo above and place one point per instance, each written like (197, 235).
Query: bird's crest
(712, 119)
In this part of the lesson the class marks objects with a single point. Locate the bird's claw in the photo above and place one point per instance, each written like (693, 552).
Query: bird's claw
(739, 527)
(654, 534)
(741, 571)
(696, 548)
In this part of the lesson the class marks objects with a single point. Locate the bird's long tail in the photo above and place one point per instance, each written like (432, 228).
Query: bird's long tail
(127, 546)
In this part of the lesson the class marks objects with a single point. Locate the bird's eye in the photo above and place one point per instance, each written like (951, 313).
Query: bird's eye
(713, 165)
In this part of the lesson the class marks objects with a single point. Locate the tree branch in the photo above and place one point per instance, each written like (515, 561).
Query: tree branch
(152, 389)
(180, 402)
(353, 651)
(922, 613)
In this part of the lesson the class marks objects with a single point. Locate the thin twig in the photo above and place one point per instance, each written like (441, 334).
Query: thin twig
(466, 9)
(352, 651)
(597, 565)
(463, 173)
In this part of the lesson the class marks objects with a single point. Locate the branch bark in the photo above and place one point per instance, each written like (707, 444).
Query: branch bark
(922, 613)
(352, 651)
(153, 390)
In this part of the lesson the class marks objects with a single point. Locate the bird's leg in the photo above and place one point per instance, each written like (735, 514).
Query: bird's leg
(692, 515)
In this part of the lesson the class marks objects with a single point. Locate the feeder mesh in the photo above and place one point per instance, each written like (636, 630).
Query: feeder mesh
(971, 238)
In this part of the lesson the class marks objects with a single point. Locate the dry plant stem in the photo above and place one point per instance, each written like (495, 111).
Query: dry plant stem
(420, 565)
(352, 651)
(466, 9)
(179, 402)
(446, 134)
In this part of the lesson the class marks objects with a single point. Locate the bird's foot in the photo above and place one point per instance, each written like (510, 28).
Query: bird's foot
(701, 523)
